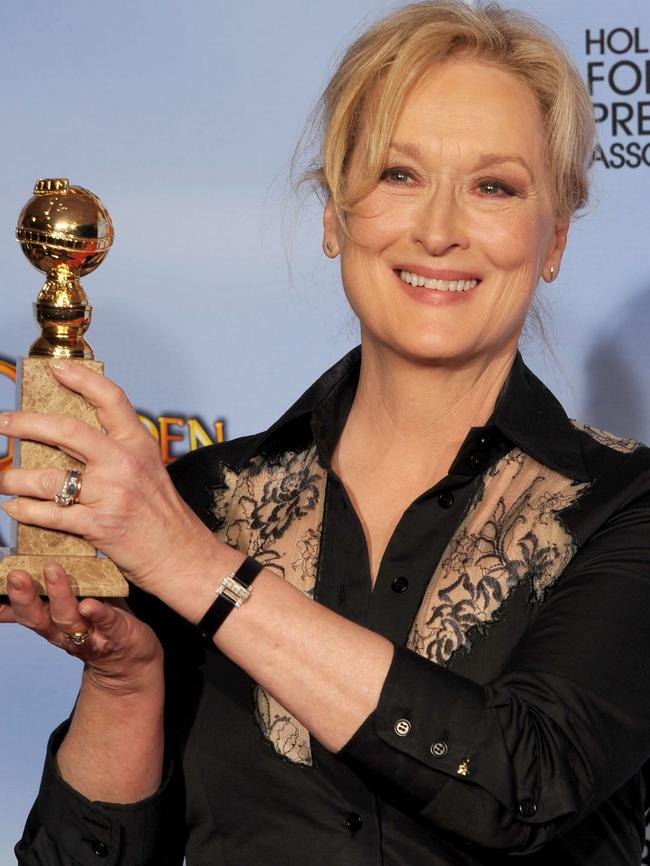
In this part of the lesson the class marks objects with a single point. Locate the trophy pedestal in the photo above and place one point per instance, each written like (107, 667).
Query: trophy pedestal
(89, 574)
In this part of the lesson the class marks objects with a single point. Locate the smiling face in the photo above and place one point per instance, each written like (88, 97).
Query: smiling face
(441, 258)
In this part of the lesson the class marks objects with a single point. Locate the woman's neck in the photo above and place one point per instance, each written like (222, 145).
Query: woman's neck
(401, 407)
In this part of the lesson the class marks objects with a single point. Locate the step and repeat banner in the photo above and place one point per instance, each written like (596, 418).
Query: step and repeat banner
(215, 307)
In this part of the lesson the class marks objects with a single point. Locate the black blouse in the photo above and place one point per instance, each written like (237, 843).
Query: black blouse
(522, 732)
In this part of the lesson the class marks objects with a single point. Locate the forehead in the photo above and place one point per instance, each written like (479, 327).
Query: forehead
(468, 104)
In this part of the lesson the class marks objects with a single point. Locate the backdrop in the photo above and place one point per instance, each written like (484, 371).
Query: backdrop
(215, 307)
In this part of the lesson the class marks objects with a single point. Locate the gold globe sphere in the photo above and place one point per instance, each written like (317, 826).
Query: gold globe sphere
(66, 232)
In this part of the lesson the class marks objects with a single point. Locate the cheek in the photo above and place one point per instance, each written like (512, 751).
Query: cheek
(516, 244)
(377, 223)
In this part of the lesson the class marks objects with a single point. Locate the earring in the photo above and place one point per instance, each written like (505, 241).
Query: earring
(551, 271)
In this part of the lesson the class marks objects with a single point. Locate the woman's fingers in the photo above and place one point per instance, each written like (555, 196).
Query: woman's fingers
(80, 440)
(74, 519)
(55, 621)
(73, 436)
(64, 612)
(115, 412)
(78, 626)
(120, 653)
(28, 609)
(41, 484)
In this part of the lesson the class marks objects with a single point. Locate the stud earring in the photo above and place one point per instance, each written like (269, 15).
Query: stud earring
(551, 271)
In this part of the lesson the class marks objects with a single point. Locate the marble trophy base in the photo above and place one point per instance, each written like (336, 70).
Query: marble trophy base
(90, 574)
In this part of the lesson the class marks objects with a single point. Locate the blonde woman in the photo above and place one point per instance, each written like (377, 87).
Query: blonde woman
(408, 623)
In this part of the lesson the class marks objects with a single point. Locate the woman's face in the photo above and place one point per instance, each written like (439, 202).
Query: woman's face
(440, 260)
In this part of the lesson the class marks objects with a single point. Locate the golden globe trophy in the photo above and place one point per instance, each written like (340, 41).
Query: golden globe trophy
(66, 232)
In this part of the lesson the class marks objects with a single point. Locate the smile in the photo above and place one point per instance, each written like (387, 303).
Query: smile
(438, 285)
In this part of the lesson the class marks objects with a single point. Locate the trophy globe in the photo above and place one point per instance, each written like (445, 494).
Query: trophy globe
(66, 232)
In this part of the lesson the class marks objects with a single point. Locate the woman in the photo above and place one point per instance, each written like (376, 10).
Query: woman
(469, 682)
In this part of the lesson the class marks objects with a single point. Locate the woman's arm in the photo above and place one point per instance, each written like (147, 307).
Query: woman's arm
(130, 510)
(114, 748)
(301, 653)
(101, 778)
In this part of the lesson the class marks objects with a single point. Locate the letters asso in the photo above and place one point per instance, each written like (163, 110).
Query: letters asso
(618, 77)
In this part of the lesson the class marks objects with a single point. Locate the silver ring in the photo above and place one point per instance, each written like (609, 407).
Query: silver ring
(78, 638)
(70, 489)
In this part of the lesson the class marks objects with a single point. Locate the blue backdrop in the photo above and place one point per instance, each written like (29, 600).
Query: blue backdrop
(215, 303)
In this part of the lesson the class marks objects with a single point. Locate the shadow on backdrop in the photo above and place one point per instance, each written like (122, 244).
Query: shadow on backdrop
(617, 396)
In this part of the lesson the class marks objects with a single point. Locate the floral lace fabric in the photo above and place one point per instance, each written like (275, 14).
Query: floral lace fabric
(512, 532)
(273, 511)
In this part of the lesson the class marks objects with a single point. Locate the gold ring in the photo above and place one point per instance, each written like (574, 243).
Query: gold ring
(78, 638)
(70, 489)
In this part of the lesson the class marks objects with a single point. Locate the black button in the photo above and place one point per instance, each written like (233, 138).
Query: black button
(477, 460)
(446, 499)
(400, 584)
(354, 822)
(527, 808)
(100, 849)
(484, 440)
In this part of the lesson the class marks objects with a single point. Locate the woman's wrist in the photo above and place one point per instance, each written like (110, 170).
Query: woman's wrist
(190, 588)
(133, 678)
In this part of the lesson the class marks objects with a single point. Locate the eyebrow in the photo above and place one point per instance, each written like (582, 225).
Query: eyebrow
(484, 159)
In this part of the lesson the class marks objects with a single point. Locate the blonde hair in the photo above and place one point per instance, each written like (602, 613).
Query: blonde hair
(386, 61)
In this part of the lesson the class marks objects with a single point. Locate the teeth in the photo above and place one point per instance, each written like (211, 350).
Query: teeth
(438, 285)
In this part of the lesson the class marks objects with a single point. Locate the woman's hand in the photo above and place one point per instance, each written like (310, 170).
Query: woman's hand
(113, 750)
(128, 507)
(121, 654)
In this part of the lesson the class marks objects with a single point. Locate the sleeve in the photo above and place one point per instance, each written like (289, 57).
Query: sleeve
(513, 763)
(63, 827)
(66, 829)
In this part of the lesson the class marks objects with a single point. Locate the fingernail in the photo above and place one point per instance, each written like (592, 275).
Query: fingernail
(61, 365)
(15, 582)
(5, 418)
(51, 574)
(10, 507)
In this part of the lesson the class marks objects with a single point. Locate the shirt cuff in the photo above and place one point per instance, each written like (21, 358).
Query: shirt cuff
(93, 832)
(421, 733)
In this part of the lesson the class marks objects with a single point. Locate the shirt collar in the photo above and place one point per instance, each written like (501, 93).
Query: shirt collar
(533, 419)
(527, 414)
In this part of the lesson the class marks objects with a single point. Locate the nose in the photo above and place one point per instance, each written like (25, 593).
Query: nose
(440, 225)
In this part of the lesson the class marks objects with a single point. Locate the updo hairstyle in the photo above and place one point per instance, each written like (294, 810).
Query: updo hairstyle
(383, 65)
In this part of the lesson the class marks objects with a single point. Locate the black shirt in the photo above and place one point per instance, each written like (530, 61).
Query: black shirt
(518, 733)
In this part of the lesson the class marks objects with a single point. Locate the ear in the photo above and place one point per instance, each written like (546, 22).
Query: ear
(556, 249)
(331, 246)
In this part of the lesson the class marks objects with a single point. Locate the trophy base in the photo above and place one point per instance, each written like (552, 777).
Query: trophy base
(89, 575)
(35, 546)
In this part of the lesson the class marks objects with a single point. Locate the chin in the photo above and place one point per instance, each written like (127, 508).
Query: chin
(427, 350)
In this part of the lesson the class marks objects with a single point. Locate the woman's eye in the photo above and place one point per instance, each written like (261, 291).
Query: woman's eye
(396, 175)
(495, 188)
